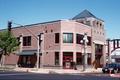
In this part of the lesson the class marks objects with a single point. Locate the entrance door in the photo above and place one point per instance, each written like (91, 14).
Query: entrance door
(67, 60)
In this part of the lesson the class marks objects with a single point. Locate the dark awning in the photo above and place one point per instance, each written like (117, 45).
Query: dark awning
(27, 52)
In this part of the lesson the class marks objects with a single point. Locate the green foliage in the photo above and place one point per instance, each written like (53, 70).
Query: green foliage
(8, 43)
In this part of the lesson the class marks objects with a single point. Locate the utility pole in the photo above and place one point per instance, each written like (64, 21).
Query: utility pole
(38, 54)
(38, 44)
(85, 41)
(38, 50)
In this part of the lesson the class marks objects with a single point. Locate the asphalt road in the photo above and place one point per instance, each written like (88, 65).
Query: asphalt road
(35, 76)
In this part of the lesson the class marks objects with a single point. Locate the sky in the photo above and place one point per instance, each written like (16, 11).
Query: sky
(36, 11)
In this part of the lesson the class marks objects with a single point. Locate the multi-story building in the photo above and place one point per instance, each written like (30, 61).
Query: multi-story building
(61, 42)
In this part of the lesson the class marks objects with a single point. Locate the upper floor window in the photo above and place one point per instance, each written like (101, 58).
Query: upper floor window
(67, 37)
(79, 37)
(27, 41)
(89, 41)
(88, 23)
(57, 37)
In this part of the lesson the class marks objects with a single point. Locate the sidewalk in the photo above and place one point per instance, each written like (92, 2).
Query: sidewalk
(58, 71)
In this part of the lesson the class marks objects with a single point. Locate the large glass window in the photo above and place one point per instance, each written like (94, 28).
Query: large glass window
(98, 48)
(89, 41)
(79, 59)
(80, 37)
(27, 41)
(89, 59)
(56, 37)
(67, 37)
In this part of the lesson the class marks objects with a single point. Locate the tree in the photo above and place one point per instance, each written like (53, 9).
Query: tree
(8, 43)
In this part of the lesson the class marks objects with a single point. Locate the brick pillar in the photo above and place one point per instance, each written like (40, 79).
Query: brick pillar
(93, 52)
(74, 57)
(104, 55)
(61, 59)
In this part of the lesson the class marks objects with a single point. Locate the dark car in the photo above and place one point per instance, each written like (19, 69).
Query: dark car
(112, 67)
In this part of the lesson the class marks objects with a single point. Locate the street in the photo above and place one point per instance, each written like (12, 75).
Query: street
(35, 76)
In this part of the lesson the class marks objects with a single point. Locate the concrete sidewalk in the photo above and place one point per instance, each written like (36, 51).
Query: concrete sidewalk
(58, 71)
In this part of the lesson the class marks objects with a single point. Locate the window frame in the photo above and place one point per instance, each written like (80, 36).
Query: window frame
(27, 40)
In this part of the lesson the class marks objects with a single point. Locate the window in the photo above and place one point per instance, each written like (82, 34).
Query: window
(98, 48)
(88, 23)
(67, 37)
(27, 41)
(56, 58)
(89, 41)
(89, 59)
(56, 37)
(79, 59)
(79, 37)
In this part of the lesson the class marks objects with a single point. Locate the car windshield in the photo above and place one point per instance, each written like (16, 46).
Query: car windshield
(110, 65)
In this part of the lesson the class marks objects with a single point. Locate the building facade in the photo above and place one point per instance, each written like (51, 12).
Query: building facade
(61, 44)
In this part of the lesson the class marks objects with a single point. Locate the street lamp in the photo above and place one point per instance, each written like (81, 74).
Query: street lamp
(85, 41)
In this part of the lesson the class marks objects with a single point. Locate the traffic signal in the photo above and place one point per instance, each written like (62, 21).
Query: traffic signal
(9, 25)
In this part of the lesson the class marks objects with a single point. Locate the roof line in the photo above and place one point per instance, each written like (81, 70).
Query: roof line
(31, 25)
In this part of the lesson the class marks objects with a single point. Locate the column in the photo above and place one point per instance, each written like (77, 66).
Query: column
(93, 52)
(61, 59)
(74, 57)
(104, 55)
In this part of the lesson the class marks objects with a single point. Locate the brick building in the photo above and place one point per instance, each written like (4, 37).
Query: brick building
(61, 42)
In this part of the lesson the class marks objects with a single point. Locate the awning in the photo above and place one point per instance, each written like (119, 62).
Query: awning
(99, 42)
(27, 52)
(116, 53)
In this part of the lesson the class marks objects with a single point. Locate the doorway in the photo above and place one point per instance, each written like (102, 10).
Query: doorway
(68, 60)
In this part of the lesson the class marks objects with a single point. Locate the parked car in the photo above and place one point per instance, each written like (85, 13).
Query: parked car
(112, 67)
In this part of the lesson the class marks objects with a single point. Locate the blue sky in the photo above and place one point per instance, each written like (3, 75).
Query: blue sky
(36, 11)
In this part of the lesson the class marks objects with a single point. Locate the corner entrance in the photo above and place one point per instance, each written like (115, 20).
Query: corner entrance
(68, 60)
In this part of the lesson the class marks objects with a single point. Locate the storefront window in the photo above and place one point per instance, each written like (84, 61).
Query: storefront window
(79, 58)
(89, 59)
(56, 58)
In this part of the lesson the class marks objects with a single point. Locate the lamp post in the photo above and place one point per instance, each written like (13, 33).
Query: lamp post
(85, 41)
